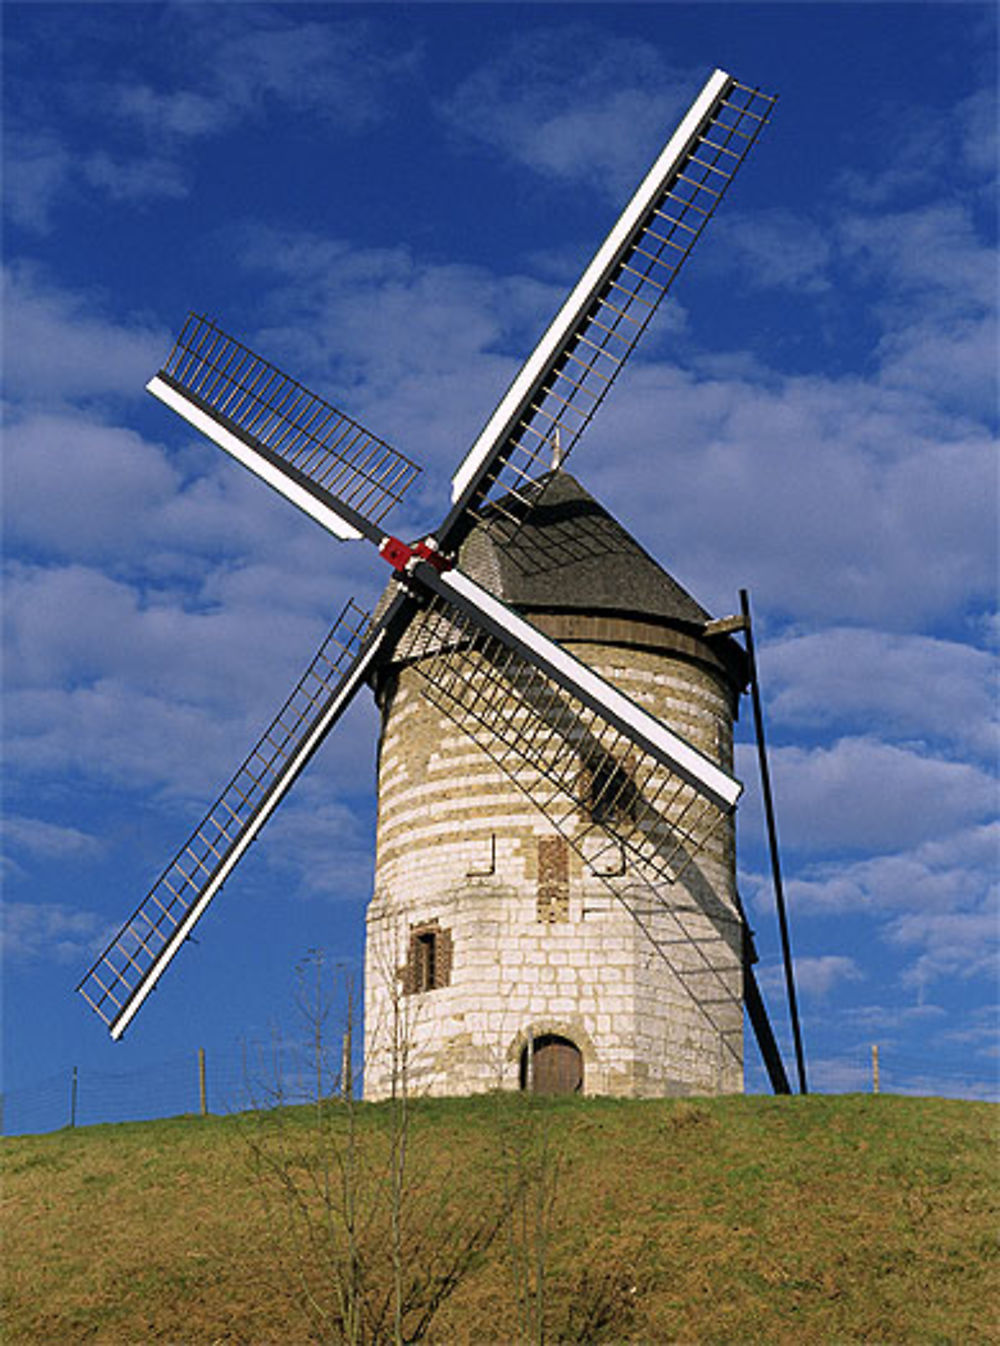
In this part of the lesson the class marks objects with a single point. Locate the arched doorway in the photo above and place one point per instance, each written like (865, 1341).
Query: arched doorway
(556, 1065)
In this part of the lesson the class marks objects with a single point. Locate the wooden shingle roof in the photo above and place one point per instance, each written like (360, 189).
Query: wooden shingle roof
(572, 555)
(580, 577)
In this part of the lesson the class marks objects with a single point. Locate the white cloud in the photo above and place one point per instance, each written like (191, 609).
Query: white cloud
(76, 627)
(891, 1021)
(419, 352)
(112, 732)
(182, 113)
(865, 794)
(908, 686)
(936, 901)
(572, 107)
(931, 253)
(49, 930)
(921, 146)
(42, 838)
(937, 284)
(825, 497)
(816, 976)
(40, 171)
(148, 694)
(77, 488)
(58, 346)
(773, 249)
(326, 846)
(36, 168)
(330, 68)
(976, 1031)
(955, 944)
(980, 151)
(325, 68)
(152, 178)
(217, 73)
(956, 357)
(939, 875)
(845, 1074)
(190, 527)
(383, 312)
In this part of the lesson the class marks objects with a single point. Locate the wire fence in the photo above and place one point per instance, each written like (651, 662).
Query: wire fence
(281, 1073)
(194, 1083)
(882, 1069)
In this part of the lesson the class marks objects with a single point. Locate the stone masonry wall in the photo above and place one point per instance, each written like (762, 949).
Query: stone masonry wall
(649, 988)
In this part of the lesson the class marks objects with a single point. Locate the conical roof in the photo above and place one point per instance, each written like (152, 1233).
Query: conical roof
(575, 571)
(572, 555)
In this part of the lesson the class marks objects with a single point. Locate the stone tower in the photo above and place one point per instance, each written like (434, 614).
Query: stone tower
(495, 958)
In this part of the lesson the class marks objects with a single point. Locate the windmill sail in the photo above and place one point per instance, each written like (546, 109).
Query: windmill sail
(569, 740)
(130, 966)
(565, 380)
(482, 608)
(298, 443)
(480, 616)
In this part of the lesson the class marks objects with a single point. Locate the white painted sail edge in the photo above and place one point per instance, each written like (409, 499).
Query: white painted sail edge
(554, 340)
(294, 766)
(667, 746)
(234, 446)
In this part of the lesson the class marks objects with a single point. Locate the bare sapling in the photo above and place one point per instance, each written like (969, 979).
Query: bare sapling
(371, 1234)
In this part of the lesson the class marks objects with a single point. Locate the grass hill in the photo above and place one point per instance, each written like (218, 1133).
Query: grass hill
(821, 1219)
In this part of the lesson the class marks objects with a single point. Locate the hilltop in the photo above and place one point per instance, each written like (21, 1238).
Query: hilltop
(816, 1219)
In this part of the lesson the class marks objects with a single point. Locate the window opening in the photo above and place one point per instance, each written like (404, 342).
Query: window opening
(428, 959)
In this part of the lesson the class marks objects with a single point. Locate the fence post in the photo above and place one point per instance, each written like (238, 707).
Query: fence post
(346, 1065)
(72, 1101)
(202, 1096)
(874, 1067)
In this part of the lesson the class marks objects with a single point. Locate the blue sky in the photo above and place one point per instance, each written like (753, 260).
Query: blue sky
(391, 201)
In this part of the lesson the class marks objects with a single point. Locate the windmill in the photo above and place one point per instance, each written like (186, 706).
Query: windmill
(614, 785)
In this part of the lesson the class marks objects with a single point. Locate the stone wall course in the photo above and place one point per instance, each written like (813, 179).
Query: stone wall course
(445, 809)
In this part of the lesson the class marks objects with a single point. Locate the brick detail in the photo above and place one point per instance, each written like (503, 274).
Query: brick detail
(553, 879)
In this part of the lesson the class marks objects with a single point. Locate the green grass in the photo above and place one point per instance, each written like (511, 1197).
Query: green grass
(824, 1219)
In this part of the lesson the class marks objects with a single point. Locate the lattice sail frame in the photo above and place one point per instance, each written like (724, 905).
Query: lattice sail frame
(128, 968)
(276, 416)
(554, 398)
(596, 789)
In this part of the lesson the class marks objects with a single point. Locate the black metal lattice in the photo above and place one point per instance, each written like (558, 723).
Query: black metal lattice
(596, 789)
(133, 955)
(270, 410)
(574, 386)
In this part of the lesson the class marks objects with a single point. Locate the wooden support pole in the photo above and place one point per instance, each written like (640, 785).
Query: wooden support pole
(202, 1093)
(346, 1067)
(761, 1025)
(772, 838)
(874, 1067)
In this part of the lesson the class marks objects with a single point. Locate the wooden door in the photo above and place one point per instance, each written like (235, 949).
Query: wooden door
(557, 1066)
